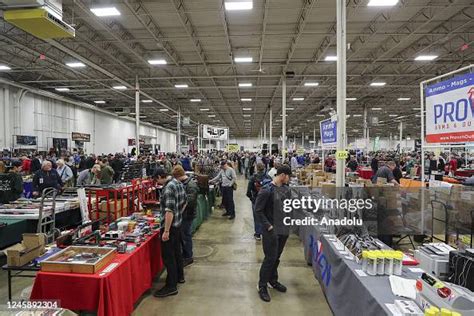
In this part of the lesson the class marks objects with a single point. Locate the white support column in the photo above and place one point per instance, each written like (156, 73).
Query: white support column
(264, 131)
(401, 135)
(270, 132)
(199, 138)
(137, 115)
(178, 143)
(302, 140)
(366, 131)
(314, 138)
(283, 118)
(341, 89)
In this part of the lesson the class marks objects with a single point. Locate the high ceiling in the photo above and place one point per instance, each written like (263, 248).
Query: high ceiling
(199, 40)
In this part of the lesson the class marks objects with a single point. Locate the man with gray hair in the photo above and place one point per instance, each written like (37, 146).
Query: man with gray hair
(386, 172)
(89, 176)
(65, 173)
(46, 177)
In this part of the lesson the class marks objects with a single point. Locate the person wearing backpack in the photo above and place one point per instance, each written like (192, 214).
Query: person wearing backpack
(256, 183)
(189, 214)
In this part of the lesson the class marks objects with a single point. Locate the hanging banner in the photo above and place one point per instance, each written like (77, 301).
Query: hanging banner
(450, 110)
(232, 148)
(217, 133)
(328, 131)
(81, 137)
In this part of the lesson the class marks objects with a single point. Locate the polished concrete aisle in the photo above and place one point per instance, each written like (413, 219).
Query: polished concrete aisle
(223, 279)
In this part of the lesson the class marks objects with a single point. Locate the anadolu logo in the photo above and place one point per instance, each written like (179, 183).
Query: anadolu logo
(319, 259)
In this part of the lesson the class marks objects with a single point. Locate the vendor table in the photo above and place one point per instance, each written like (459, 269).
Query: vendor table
(346, 291)
(12, 232)
(464, 173)
(111, 293)
(19, 272)
(365, 173)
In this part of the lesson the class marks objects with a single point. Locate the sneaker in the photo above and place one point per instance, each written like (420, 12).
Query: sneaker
(277, 286)
(231, 217)
(257, 237)
(264, 295)
(165, 291)
(181, 281)
(225, 214)
(188, 262)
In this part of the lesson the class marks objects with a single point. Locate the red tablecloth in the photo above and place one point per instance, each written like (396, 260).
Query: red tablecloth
(464, 173)
(111, 294)
(365, 173)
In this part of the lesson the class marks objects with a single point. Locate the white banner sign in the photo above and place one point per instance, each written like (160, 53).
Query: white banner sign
(217, 133)
(450, 110)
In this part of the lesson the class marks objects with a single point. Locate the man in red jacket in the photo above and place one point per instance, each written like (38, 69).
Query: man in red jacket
(25, 164)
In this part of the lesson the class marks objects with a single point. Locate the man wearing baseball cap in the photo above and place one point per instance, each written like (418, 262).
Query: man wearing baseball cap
(269, 210)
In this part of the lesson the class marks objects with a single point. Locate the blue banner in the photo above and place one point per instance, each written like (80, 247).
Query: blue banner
(328, 131)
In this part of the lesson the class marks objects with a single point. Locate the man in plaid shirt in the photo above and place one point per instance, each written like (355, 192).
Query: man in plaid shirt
(172, 202)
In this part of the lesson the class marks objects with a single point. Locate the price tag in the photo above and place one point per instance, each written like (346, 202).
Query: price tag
(342, 154)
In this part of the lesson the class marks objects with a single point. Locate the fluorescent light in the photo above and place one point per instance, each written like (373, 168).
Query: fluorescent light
(426, 57)
(382, 3)
(393, 115)
(246, 99)
(247, 109)
(164, 110)
(4, 67)
(157, 62)
(142, 116)
(351, 99)
(147, 101)
(376, 109)
(243, 59)
(247, 115)
(235, 6)
(245, 84)
(311, 84)
(195, 100)
(416, 109)
(298, 99)
(179, 86)
(320, 115)
(404, 99)
(290, 109)
(108, 11)
(357, 115)
(378, 84)
(211, 115)
(206, 109)
(75, 65)
(61, 89)
(330, 58)
(120, 87)
(99, 102)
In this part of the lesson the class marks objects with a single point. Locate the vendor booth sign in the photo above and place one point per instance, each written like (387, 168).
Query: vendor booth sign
(81, 137)
(450, 110)
(328, 131)
(217, 133)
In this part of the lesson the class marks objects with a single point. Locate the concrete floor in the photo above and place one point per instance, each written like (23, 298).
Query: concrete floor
(223, 279)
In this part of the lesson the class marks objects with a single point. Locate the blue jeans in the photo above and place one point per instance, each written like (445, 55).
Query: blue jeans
(256, 222)
(187, 238)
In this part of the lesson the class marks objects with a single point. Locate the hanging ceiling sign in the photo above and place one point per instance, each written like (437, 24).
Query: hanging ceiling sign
(328, 131)
(450, 110)
(81, 137)
(216, 133)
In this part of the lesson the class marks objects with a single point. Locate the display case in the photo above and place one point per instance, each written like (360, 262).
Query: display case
(79, 259)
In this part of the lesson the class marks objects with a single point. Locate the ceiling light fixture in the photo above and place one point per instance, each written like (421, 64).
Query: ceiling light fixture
(243, 59)
(99, 102)
(247, 115)
(76, 65)
(311, 84)
(120, 87)
(378, 84)
(298, 99)
(157, 62)
(4, 67)
(382, 3)
(164, 110)
(195, 100)
(376, 109)
(61, 89)
(236, 6)
(290, 109)
(393, 115)
(351, 99)
(247, 109)
(356, 115)
(211, 115)
(108, 11)
(245, 84)
(404, 99)
(416, 109)
(147, 101)
(181, 86)
(206, 109)
(330, 58)
(246, 99)
(426, 57)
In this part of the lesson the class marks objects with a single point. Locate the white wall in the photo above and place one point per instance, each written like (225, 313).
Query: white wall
(46, 118)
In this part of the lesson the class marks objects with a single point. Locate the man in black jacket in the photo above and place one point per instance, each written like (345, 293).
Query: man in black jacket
(47, 177)
(269, 209)
(256, 182)
(11, 184)
(189, 214)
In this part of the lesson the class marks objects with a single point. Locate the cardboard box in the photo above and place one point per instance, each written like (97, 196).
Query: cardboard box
(328, 189)
(30, 248)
